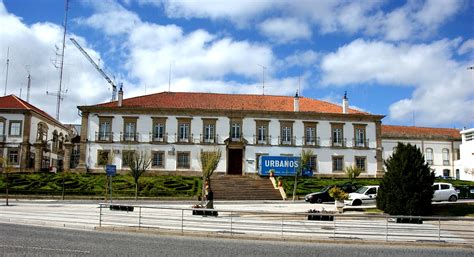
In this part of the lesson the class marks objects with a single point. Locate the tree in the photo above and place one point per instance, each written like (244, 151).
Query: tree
(352, 172)
(138, 162)
(6, 168)
(406, 188)
(304, 162)
(209, 162)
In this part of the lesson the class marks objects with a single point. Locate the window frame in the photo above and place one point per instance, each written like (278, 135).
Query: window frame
(156, 122)
(99, 152)
(286, 132)
(10, 125)
(209, 131)
(358, 141)
(429, 155)
(156, 153)
(184, 130)
(183, 153)
(445, 154)
(337, 135)
(261, 132)
(124, 153)
(105, 136)
(130, 136)
(358, 158)
(9, 155)
(334, 164)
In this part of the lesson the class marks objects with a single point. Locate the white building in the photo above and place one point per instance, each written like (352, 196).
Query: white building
(465, 165)
(175, 127)
(30, 139)
(440, 146)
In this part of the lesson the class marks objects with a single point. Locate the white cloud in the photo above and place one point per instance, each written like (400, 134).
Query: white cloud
(440, 83)
(285, 30)
(466, 47)
(301, 59)
(32, 48)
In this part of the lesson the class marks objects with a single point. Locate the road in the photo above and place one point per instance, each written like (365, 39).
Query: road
(24, 240)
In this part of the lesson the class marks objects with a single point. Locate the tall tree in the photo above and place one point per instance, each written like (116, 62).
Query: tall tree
(138, 162)
(352, 172)
(209, 162)
(406, 188)
(304, 164)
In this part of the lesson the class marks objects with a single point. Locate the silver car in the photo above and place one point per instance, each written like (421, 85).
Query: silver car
(444, 192)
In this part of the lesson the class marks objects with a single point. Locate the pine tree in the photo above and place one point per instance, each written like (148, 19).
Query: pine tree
(406, 188)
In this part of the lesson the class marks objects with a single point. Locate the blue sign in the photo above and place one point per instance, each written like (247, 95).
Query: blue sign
(111, 170)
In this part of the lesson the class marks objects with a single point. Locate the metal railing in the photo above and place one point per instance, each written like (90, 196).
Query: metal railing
(292, 225)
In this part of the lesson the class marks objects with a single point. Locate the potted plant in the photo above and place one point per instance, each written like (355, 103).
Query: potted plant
(339, 196)
(272, 173)
(280, 181)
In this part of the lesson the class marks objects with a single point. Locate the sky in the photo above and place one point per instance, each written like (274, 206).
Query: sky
(407, 60)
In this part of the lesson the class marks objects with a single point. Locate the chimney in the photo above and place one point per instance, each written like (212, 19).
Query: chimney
(345, 104)
(296, 103)
(120, 97)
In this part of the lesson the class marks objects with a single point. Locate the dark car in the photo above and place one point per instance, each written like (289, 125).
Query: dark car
(323, 195)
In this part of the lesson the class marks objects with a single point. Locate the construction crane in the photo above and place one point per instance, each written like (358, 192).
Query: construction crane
(114, 87)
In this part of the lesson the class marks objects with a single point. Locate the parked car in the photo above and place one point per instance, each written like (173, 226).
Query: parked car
(444, 192)
(323, 195)
(363, 195)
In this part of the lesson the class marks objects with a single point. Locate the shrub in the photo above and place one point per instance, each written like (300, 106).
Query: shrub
(338, 194)
(406, 188)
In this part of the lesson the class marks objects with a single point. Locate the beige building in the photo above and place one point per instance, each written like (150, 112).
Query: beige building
(30, 139)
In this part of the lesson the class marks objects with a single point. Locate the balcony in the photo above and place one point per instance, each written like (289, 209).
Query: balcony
(445, 162)
(338, 142)
(159, 139)
(311, 141)
(129, 137)
(290, 141)
(104, 136)
(184, 139)
(359, 143)
(208, 139)
(236, 138)
(266, 140)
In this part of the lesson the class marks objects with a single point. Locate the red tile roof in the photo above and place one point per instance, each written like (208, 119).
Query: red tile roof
(212, 101)
(410, 132)
(15, 103)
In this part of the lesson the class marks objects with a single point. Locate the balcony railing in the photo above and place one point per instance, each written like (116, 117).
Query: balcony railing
(287, 140)
(155, 138)
(338, 142)
(209, 139)
(445, 162)
(311, 141)
(266, 140)
(129, 137)
(104, 136)
(184, 140)
(360, 143)
(236, 138)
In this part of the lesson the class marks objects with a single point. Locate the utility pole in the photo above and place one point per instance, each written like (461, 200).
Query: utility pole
(6, 76)
(263, 78)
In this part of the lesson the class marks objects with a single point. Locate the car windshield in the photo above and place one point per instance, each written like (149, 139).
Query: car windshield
(326, 188)
(362, 190)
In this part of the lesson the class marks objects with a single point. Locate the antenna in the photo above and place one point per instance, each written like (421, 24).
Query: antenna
(61, 68)
(6, 76)
(299, 85)
(28, 88)
(263, 78)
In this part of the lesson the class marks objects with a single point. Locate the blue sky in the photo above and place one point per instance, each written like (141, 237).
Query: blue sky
(404, 59)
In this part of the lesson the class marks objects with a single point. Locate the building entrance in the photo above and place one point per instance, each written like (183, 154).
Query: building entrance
(234, 161)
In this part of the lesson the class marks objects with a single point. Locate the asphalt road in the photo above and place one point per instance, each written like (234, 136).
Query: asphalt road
(20, 240)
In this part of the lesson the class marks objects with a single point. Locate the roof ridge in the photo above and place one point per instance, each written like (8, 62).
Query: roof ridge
(21, 102)
(388, 125)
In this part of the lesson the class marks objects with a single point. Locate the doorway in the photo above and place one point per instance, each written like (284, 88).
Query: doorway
(234, 161)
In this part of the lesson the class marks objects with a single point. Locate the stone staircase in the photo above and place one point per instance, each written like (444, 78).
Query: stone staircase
(243, 188)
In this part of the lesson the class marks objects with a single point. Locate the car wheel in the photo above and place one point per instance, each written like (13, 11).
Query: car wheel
(453, 198)
(356, 202)
(319, 200)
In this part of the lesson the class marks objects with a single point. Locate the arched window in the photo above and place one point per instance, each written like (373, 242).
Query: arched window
(429, 155)
(42, 132)
(445, 156)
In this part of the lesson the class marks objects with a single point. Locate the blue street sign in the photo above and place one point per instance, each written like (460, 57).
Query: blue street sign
(281, 166)
(111, 170)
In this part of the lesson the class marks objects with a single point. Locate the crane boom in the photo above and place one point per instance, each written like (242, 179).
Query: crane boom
(114, 87)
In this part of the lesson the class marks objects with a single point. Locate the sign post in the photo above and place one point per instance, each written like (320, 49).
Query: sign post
(111, 171)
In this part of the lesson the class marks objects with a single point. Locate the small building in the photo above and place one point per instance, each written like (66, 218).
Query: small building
(30, 139)
(440, 146)
(465, 165)
(175, 127)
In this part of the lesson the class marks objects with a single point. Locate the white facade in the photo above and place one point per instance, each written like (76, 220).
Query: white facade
(465, 165)
(323, 149)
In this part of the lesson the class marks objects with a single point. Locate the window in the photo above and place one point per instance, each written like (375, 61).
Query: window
(158, 160)
(130, 129)
(261, 137)
(158, 130)
(337, 134)
(286, 128)
(445, 156)
(359, 135)
(13, 156)
(15, 128)
(183, 160)
(313, 163)
(105, 129)
(429, 156)
(127, 158)
(444, 187)
(235, 133)
(103, 157)
(184, 128)
(337, 163)
(209, 131)
(2, 130)
(360, 162)
(310, 133)
(371, 191)
(42, 133)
